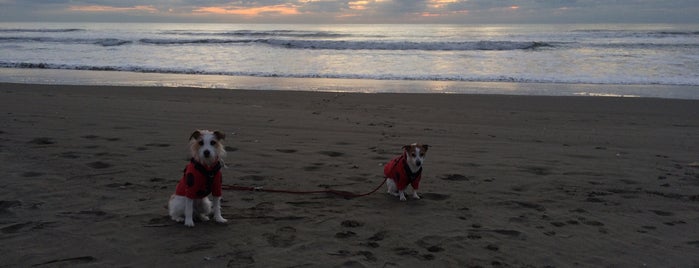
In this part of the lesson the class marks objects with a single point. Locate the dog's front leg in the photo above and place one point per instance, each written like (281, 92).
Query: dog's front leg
(415, 195)
(188, 211)
(217, 210)
(402, 195)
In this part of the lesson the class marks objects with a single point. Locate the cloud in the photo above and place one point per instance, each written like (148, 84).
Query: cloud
(282, 9)
(361, 11)
(98, 8)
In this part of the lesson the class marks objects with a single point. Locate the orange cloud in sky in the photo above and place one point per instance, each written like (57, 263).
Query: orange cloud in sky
(358, 5)
(427, 14)
(98, 8)
(440, 3)
(287, 9)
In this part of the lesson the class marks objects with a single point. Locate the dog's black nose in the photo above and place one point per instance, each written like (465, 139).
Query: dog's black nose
(418, 162)
(207, 153)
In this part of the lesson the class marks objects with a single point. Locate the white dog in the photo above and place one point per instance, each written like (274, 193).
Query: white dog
(202, 177)
(405, 169)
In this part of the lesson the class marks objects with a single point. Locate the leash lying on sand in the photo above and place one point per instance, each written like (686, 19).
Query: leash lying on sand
(344, 194)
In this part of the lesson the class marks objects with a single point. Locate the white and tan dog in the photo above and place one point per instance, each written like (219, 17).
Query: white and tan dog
(405, 169)
(201, 177)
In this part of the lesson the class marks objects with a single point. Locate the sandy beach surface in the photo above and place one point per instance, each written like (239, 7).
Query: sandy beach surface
(510, 181)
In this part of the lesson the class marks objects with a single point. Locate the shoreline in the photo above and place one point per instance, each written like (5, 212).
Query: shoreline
(123, 78)
(508, 181)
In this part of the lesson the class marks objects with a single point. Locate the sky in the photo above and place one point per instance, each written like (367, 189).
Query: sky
(353, 11)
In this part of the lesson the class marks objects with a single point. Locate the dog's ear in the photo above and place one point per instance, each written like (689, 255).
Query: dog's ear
(406, 147)
(425, 147)
(195, 135)
(220, 135)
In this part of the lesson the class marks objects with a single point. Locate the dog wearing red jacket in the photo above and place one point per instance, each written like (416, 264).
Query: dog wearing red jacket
(201, 177)
(405, 170)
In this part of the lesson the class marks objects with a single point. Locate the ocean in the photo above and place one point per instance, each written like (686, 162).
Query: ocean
(647, 60)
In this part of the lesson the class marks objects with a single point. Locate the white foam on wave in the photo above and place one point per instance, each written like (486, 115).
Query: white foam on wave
(611, 80)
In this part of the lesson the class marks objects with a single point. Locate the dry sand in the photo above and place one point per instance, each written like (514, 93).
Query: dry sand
(510, 181)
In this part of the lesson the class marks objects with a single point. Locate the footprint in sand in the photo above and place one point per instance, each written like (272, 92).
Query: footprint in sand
(314, 167)
(161, 221)
(331, 153)
(662, 213)
(524, 204)
(252, 178)
(379, 236)
(351, 224)
(31, 174)
(455, 177)
(431, 243)
(435, 196)
(373, 240)
(196, 247)
(242, 258)
(593, 223)
(42, 141)
(98, 165)
(25, 227)
(541, 171)
(90, 137)
(68, 261)
(94, 137)
(158, 145)
(306, 204)
(95, 215)
(402, 251)
(673, 223)
(5, 205)
(69, 155)
(368, 256)
(283, 237)
(345, 234)
(119, 185)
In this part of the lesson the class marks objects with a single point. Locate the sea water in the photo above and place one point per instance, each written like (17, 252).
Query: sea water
(366, 58)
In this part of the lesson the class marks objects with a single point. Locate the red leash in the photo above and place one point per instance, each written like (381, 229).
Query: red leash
(344, 194)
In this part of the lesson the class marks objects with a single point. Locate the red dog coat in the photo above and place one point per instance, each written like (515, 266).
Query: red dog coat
(399, 171)
(199, 181)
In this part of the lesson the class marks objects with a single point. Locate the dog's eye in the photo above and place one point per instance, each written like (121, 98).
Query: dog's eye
(413, 154)
(201, 143)
(422, 154)
(213, 143)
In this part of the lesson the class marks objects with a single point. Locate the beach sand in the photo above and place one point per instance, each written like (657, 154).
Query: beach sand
(510, 181)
